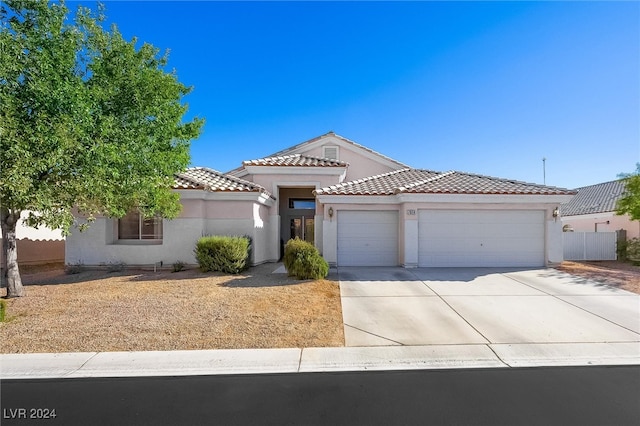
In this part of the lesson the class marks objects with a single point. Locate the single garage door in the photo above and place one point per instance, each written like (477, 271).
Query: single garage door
(367, 238)
(481, 238)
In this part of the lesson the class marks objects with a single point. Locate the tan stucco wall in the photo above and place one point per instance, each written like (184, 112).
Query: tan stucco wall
(216, 209)
(99, 245)
(192, 209)
(32, 252)
(359, 165)
(271, 182)
(587, 223)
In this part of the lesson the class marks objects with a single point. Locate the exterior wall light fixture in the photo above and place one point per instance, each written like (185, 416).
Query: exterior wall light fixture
(556, 213)
(330, 211)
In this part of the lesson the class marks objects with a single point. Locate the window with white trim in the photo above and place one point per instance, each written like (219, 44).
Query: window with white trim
(134, 226)
(330, 151)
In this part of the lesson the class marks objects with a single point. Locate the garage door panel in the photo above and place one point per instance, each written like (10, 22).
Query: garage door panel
(367, 238)
(365, 230)
(481, 238)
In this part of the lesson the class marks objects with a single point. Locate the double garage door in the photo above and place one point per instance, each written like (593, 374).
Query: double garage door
(481, 238)
(447, 238)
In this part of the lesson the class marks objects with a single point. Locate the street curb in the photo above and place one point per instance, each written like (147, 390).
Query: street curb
(307, 360)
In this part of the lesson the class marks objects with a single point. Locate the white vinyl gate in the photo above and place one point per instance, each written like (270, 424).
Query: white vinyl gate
(589, 245)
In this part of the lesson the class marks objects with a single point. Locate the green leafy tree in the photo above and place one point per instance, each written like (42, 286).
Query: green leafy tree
(630, 202)
(87, 121)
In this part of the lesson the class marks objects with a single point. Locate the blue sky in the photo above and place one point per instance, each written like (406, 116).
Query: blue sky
(487, 88)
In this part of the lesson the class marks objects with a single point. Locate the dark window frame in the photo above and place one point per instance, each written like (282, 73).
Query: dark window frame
(293, 201)
(155, 223)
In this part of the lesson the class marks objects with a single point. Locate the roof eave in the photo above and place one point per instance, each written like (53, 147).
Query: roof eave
(332, 197)
(295, 170)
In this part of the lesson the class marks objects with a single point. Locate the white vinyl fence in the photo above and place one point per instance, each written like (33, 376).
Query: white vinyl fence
(589, 245)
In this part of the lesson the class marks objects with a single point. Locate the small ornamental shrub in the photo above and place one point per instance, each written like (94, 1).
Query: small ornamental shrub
(303, 261)
(633, 250)
(222, 254)
(3, 309)
(116, 266)
(74, 268)
(178, 266)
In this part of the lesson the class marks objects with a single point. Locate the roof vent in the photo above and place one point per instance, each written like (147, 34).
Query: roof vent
(330, 152)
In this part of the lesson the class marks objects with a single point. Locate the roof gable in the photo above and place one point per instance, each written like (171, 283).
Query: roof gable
(599, 198)
(333, 138)
(356, 157)
(416, 181)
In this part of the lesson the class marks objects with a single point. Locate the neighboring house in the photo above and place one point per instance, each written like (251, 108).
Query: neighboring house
(37, 246)
(593, 209)
(356, 205)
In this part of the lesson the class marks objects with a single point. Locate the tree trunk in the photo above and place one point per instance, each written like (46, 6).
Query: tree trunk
(11, 273)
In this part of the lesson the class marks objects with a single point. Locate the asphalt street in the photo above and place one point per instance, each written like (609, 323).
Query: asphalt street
(591, 395)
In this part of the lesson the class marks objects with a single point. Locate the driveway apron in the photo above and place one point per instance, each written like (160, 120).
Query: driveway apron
(462, 306)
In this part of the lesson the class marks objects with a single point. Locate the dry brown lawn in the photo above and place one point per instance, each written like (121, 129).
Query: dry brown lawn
(614, 273)
(142, 310)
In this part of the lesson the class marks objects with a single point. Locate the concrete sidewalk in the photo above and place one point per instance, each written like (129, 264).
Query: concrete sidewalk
(295, 360)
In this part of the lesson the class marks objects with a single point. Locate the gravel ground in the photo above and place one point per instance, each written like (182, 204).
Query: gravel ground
(614, 273)
(143, 310)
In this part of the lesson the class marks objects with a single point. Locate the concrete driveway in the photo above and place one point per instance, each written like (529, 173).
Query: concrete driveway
(501, 308)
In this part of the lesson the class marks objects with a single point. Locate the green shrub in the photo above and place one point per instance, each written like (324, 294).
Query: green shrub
(178, 266)
(621, 249)
(633, 250)
(303, 261)
(3, 310)
(116, 266)
(291, 248)
(223, 254)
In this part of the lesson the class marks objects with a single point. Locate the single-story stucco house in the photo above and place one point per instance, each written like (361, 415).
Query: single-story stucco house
(356, 205)
(593, 209)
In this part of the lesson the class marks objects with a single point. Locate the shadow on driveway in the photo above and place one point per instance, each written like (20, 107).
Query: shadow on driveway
(395, 273)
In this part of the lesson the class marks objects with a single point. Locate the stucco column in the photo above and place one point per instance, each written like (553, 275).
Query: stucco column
(410, 240)
(274, 236)
(330, 240)
(318, 222)
(555, 251)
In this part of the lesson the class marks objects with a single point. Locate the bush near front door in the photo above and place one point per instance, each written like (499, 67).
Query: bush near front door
(303, 261)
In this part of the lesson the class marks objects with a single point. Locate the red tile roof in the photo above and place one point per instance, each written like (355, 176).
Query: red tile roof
(297, 160)
(416, 181)
(212, 180)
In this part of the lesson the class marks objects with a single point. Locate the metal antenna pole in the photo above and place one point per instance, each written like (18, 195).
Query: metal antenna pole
(544, 170)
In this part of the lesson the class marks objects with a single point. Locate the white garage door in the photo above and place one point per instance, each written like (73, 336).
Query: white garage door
(367, 238)
(481, 238)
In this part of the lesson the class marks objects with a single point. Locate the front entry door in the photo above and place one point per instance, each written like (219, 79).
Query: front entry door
(303, 228)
